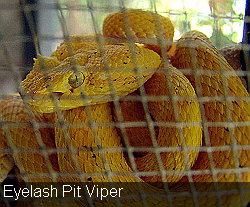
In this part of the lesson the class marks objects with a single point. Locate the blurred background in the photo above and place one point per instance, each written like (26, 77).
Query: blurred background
(28, 27)
(221, 20)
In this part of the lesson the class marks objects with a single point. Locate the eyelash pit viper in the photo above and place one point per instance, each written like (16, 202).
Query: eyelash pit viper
(70, 91)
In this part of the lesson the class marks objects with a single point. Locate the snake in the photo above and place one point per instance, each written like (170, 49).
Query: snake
(71, 100)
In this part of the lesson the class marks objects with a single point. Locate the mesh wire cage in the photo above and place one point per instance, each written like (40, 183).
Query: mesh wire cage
(29, 28)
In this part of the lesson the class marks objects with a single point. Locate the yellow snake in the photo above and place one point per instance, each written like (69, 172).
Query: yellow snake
(80, 79)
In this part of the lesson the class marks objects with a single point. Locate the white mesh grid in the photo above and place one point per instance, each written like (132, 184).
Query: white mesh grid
(93, 8)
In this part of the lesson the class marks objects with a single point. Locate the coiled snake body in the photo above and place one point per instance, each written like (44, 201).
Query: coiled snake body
(74, 82)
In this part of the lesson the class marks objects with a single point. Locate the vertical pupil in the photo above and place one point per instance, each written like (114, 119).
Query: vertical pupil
(76, 79)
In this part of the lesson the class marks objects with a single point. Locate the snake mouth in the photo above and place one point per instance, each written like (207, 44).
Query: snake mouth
(36, 97)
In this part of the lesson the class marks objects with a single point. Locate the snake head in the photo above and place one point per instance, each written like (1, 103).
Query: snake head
(88, 77)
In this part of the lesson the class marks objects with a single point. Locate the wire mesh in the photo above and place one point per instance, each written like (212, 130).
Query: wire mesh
(95, 12)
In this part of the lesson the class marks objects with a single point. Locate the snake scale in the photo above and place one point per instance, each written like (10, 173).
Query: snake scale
(70, 94)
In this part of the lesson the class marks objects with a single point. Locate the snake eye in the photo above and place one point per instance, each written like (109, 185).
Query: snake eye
(76, 79)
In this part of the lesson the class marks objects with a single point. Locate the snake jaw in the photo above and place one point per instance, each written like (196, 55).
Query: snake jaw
(96, 88)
